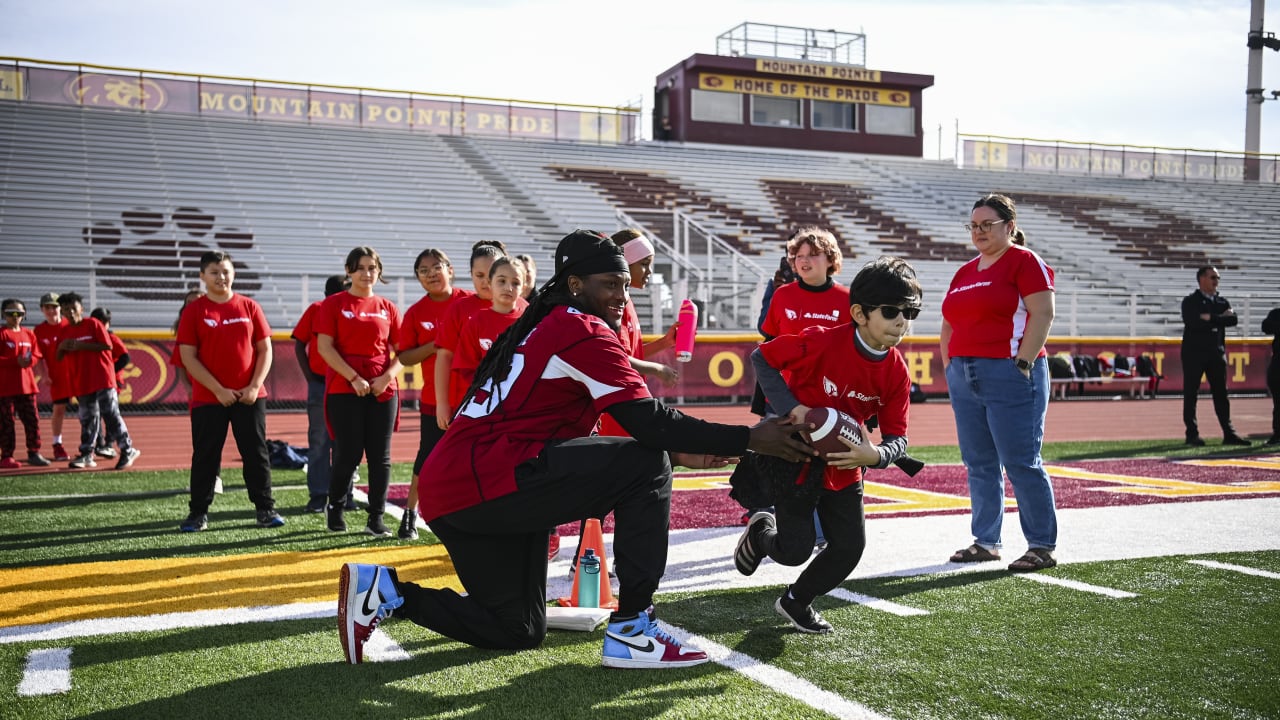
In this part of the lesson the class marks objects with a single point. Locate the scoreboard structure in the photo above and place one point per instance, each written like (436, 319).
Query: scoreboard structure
(773, 86)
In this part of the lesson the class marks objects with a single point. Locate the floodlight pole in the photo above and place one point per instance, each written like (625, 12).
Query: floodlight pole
(1253, 95)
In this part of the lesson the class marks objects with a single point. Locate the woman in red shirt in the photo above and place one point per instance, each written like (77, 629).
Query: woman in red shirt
(995, 319)
(356, 331)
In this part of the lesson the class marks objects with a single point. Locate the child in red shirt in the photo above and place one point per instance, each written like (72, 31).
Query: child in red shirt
(506, 282)
(19, 351)
(47, 335)
(854, 368)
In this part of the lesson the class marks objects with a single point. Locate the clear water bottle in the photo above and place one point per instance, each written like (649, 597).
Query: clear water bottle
(687, 332)
(589, 580)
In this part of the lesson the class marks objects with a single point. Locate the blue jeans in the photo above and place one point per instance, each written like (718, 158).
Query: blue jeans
(1000, 424)
(319, 446)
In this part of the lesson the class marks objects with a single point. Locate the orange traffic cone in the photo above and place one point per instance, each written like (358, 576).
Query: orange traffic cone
(593, 538)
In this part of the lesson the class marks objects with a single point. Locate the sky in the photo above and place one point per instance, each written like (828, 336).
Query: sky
(1170, 74)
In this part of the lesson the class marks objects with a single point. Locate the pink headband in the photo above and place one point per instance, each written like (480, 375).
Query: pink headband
(637, 250)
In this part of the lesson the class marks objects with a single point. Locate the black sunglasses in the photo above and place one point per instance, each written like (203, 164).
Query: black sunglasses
(891, 311)
(15, 313)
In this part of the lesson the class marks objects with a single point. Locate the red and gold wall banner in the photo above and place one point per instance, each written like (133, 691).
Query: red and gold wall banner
(804, 89)
(313, 105)
(719, 372)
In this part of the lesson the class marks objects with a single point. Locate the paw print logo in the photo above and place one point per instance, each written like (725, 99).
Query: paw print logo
(154, 256)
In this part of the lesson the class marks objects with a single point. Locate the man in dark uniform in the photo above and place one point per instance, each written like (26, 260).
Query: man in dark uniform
(1206, 316)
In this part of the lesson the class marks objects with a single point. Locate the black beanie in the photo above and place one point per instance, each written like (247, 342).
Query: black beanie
(586, 252)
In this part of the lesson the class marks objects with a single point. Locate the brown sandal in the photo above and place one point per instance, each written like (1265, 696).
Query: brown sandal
(1034, 559)
(974, 553)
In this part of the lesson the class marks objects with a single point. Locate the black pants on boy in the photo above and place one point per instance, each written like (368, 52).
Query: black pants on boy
(209, 434)
(1212, 366)
(499, 547)
(844, 526)
(361, 429)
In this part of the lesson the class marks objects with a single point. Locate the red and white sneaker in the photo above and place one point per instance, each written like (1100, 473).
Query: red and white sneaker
(60, 453)
(638, 643)
(366, 595)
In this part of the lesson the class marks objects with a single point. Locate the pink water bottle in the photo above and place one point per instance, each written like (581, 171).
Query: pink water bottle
(687, 332)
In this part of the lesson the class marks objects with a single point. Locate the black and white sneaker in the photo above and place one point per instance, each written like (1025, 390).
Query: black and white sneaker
(409, 525)
(127, 457)
(750, 549)
(104, 451)
(376, 527)
(195, 522)
(803, 617)
(83, 461)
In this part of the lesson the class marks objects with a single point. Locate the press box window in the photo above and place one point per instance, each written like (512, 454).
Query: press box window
(889, 120)
(834, 115)
(721, 107)
(778, 112)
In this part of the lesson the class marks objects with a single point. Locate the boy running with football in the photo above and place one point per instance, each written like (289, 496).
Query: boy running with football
(854, 368)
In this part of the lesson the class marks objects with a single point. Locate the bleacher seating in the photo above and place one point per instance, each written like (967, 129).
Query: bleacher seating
(118, 205)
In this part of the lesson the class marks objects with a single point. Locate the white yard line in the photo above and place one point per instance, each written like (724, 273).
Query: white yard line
(1237, 568)
(776, 679)
(48, 672)
(167, 621)
(1076, 585)
(876, 603)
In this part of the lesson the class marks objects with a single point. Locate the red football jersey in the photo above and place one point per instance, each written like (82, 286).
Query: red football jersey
(826, 369)
(478, 335)
(794, 307)
(363, 331)
(224, 336)
(48, 336)
(419, 326)
(88, 370)
(567, 371)
(304, 332)
(14, 379)
(631, 333)
(985, 308)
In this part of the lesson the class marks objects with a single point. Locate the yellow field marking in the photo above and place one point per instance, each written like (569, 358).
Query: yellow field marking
(900, 499)
(1161, 487)
(1256, 463)
(58, 593)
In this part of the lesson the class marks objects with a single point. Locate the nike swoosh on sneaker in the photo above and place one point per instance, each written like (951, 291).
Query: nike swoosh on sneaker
(649, 648)
(373, 587)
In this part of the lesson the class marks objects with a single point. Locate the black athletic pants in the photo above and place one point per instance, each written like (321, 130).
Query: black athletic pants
(429, 434)
(843, 524)
(1213, 366)
(208, 435)
(1273, 384)
(361, 428)
(499, 547)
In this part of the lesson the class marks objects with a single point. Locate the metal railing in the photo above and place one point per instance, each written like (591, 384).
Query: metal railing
(696, 263)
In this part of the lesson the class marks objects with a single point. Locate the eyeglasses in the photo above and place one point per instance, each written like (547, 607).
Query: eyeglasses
(15, 313)
(985, 226)
(890, 312)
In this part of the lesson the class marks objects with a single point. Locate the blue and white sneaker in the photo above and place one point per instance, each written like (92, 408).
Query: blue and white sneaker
(366, 595)
(637, 642)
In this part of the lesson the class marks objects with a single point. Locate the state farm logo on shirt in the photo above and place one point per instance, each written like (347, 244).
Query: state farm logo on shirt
(791, 314)
(864, 398)
(970, 286)
(834, 316)
(829, 387)
(381, 314)
(233, 321)
(428, 325)
(485, 344)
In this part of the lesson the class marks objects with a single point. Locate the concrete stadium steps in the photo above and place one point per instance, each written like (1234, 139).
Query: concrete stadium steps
(117, 202)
